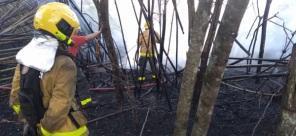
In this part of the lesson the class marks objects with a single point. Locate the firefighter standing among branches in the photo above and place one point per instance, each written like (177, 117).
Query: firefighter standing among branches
(147, 51)
(44, 82)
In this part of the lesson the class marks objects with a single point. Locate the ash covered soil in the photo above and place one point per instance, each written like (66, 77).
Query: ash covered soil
(236, 113)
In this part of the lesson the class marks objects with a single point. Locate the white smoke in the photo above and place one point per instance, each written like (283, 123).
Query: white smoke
(275, 41)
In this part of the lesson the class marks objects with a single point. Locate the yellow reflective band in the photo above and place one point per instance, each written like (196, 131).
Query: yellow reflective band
(144, 54)
(78, 132)
(69, 42)
(153, 76)
(16, 108)
(60, 36)
(85, 101)
(141, 78)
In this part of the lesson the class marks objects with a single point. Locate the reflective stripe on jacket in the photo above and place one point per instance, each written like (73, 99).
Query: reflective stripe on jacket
(144, 54)
(82, 131)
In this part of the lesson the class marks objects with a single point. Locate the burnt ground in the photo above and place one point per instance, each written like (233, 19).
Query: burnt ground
(236, 112)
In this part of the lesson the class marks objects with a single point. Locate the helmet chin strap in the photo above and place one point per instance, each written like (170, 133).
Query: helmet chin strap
(68, 41)
(60, 37)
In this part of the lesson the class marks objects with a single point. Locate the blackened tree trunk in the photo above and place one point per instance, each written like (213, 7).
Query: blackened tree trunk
(103, 13)
(226, 35)
(263, 34)
(197, 31)
(287, 126)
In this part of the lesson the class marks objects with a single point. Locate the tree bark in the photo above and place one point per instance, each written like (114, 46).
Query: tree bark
(197, 34)
(287, 127)
(103, 13)
(191, 12)
(203, 64)
(226, 35)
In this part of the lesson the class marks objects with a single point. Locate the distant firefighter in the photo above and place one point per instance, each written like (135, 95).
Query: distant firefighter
(147, 52)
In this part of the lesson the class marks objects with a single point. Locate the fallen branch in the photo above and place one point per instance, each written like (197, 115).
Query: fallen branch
(5, 79)
(263, 59)
(109, 115)
(145, 121)
(7, 58)
(251, 91)
(5, 88)
(108, 89)
(263, 114)
(9, 121)
(7, 69)
(255, 65)
(11, 49)
(255, 75)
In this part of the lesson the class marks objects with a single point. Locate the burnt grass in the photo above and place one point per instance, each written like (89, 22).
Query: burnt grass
(236, 113)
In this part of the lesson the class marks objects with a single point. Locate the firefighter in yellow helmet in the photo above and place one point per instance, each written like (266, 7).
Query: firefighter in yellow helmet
(147, 51)
(46, 60)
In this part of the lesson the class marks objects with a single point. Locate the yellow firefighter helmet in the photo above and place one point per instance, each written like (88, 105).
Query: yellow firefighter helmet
(58, 20)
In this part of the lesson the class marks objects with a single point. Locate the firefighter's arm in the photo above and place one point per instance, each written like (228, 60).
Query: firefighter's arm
(62, 96)
(92, 36)
(13, 98)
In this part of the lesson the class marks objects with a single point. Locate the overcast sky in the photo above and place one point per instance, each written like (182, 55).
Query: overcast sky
(275, 40)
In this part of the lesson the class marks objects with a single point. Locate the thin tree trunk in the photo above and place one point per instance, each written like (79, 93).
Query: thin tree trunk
(263, 34)
(287, 127)
(204, 62)
(226, 35)
(103, 13)
(197, 34)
